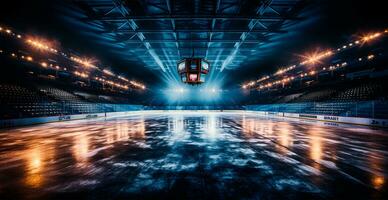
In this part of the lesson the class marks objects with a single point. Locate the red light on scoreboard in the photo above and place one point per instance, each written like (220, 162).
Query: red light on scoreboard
(193, 77)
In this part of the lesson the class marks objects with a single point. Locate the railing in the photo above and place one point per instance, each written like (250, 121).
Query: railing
(212, 107)
(85, 108)
(72, 108)
(368, 109)
(44, 109)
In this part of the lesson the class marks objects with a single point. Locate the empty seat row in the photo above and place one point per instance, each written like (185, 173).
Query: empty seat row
(17, 100)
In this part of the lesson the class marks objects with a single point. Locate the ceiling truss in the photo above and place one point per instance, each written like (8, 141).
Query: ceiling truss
(160, 32)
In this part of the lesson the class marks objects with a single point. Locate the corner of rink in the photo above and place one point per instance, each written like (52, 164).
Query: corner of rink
(8, 123)
(328, 118)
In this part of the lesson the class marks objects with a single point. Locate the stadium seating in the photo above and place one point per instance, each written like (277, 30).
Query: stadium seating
(76, 104)
(315, 96)
(346, 109)
(27, 102)
(289, 98)
(357, 98)
(345, 99)
(19, 101)
(362, 92)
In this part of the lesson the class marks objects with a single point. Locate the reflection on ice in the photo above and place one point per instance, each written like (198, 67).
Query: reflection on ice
(285, 134)
(35, 164)
(212, 126)
(316, 144)
(192, 156)
(81, 147)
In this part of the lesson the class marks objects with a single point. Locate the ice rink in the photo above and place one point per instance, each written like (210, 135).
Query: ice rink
(193, 155)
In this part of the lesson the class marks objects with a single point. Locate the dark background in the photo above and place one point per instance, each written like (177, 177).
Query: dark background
(332, 23)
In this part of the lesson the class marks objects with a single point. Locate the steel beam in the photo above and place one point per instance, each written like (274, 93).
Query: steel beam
(191, 40)
(193, 17)
(213, 25)
(124, 12)
(168, 3)
(194, 31)
(200, 48)
(252, 23)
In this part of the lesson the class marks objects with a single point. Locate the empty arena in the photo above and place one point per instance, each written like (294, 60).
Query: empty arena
(193, 99)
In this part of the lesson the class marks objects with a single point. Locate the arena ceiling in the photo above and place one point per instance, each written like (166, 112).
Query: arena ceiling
(243, 39)
(158, 33)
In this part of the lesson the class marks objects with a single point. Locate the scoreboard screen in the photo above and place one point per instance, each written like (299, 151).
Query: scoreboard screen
(181, 66)
(205, 65)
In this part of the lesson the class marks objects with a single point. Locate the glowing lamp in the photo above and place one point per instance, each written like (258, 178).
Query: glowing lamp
(193, 71)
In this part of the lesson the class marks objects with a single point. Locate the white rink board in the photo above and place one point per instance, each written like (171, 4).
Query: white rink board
(328, 118)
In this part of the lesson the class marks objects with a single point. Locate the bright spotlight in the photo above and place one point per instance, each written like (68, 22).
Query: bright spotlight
(44, 64)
